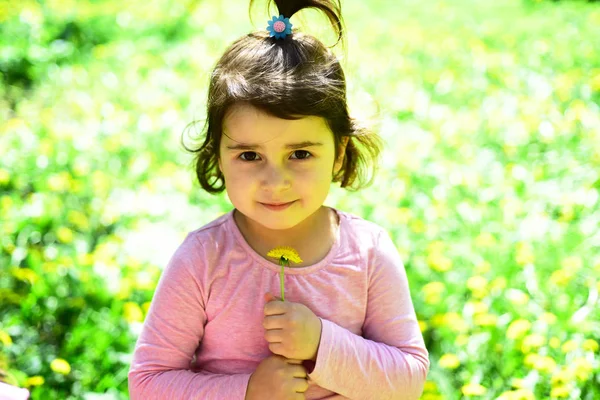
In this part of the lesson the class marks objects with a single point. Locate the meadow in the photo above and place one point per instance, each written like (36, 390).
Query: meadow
(489, 182)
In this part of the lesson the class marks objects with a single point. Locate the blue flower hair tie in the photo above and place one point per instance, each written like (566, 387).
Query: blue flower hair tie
(279, 27)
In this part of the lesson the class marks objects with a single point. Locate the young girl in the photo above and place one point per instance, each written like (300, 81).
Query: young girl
(278, 135)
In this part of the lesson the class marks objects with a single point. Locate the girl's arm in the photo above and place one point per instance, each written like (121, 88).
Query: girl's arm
(389, 360)
(171, 333)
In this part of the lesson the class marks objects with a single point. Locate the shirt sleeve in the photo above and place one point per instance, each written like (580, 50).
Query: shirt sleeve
(171, 333)
(390, 360)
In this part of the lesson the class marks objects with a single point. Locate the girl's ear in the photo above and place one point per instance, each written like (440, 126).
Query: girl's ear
(340, 161)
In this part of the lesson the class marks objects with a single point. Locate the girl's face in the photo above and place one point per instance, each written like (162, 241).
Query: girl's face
(272, 172)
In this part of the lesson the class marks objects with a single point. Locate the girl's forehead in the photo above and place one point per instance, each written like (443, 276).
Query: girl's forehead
(249, 125)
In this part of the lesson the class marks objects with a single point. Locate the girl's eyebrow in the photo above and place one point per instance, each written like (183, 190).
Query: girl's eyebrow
(246, 146)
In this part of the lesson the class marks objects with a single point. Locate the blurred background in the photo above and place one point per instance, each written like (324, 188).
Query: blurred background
(489, 182)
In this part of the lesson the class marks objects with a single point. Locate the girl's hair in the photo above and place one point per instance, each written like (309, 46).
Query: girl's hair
(287, 78)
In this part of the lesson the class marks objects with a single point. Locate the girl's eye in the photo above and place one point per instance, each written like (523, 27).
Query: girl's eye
(297, 151)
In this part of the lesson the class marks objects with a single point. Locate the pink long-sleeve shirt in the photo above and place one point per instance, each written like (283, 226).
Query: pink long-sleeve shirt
(203, 335)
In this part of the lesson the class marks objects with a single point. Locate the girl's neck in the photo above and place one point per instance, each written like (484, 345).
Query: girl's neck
(312, 241)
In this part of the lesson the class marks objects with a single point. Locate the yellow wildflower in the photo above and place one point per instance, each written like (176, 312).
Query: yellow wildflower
(449, 361)
(590, 345)
(485, 319)
(561, 391)
(562, 376)
(548, 318)
(64, 234)
(554, 342)
(541, 363)
(517, 383)
(439, 262)
(532, 341)
(569, 346)
(5, 338)
(519, 394)
(433, 292)
(478, 285)
(582, 368)
(284, 254)
(561, 277)
(61, 366)
(34, 381)
(473, 389)
(517, 328)
(132, 312)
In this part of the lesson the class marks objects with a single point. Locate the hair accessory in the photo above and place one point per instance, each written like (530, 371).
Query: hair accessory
(279, 27)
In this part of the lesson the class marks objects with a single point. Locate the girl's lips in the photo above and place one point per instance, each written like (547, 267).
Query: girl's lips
(280, 207)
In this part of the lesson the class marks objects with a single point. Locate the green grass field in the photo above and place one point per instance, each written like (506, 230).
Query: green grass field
(489, 183)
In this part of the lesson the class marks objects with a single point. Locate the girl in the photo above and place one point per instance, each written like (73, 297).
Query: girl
(278, 134)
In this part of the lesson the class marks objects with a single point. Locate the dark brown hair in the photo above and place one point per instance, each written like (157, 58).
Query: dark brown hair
(287, 78)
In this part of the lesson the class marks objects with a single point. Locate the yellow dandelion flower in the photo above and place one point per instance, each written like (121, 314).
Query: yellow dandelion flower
(432, 396)
(517, 383)
(554, 342)
(439, 262)
(531, 359)
(569, 346)
(436, 246)
(561, 391)
(486, 319)
(518, 328)
(455, 322)
(78, 219)
(284, 254)
(433, 292)
(132, 312)
(561, 277)
(25, 274)
(473, 389)
(544, 364)
(590, 345)
(519, 394)
(532, 341)
(449, 361)
(562, 376)
(430, 386)
(5, 338)
(548, 318)
(64, 234)
(60, 366)
(582, 368)
(35, 381)
(476, 283)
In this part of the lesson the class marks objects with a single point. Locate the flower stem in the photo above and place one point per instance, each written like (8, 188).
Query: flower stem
(281, 278)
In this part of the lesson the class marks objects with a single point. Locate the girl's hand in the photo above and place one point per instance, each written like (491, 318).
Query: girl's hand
(292, 329)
